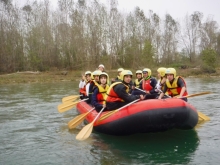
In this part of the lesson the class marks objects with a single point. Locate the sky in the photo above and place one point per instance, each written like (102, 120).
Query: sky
(176, 8)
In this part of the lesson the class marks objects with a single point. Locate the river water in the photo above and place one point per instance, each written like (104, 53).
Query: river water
(32, 132)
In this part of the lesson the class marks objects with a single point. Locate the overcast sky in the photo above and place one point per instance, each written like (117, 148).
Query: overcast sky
(176, 8)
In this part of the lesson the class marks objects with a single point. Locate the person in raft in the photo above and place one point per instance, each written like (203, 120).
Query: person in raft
(175, 85)
(117, 78)
(148, 84)
(101, 67)
(117, 95)
(98, 96)
(161, 79)
(84, 85)
(93, 83)
(139, 77)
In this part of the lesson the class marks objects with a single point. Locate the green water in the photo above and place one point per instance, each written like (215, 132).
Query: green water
(32, 132)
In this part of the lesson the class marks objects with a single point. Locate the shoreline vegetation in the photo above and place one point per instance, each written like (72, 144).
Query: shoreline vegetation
(74, 75)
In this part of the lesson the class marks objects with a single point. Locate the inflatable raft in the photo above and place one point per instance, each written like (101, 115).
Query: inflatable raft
(144, 117)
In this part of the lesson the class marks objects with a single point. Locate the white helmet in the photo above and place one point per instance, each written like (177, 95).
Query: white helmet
(120, 69)
(101, 66)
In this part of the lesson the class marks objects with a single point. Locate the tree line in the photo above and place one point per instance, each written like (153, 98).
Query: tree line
(82, 34)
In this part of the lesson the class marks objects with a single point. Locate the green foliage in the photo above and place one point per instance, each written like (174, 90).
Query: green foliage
(209, 58)
(148, 53)
(207, 69)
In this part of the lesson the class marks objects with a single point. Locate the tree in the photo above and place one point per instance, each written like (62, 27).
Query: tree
(209, 59)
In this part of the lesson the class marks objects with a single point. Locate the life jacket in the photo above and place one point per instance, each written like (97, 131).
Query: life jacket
(146, 85)
(102, 93)
(137, 82)
(83, 90)
(111, 96)
(94, 85)
(174, 90)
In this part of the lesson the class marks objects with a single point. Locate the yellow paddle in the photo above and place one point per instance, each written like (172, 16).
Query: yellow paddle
(68, 105)
(78, 119)
(113, 111)
(70, 98)
(87, 130)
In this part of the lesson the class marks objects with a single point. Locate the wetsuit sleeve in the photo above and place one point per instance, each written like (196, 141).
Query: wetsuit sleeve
(153, 84)
(165, 88)
(91, 91)
(120, 90)
(95, 102)
(180, 82)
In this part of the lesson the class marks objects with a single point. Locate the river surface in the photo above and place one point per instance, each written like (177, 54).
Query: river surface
(32, 132)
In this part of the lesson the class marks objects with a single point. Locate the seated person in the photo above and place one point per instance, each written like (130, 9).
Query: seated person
(118, 93)
(161, 78)
(117, 78)
(175, 85)
(148, 85)
(139, 76)
(93, 83)
(98, 96)
(84, 85)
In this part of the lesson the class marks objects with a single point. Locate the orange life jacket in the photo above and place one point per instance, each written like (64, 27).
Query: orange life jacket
(174, 90)
(111, 96)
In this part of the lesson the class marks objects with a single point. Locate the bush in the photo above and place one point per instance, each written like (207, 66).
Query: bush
(208, 69)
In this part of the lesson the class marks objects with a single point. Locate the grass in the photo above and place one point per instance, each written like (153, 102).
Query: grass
(56, 76)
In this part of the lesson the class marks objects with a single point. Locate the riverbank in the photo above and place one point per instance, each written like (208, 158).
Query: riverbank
(56, 76)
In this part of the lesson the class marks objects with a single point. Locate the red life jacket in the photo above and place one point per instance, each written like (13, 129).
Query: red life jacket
(146, 85)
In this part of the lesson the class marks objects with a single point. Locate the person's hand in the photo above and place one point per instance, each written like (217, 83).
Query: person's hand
(141, 97)
(148, 92)
(104, 105)
(83, 78)
(132, 87)
(158, 86)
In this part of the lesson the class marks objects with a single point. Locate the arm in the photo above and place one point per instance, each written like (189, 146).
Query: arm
(82, 83)
(163, 92)
(95, 102)
(181, 84)
(153, 84)
(91, 87)
(120, 90)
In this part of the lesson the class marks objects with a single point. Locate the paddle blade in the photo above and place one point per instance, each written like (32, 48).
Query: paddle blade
(66, 106)
(85, 132)
(70, 98)
(107, 115)
(77, 120)
(203, 116)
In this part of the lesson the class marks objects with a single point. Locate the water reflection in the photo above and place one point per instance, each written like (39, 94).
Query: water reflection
(174, 147)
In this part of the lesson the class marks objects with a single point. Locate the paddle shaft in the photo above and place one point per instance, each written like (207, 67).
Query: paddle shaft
(70, 98)
(67, 106)
(113, 111)
(78, 119)
(87, 130)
